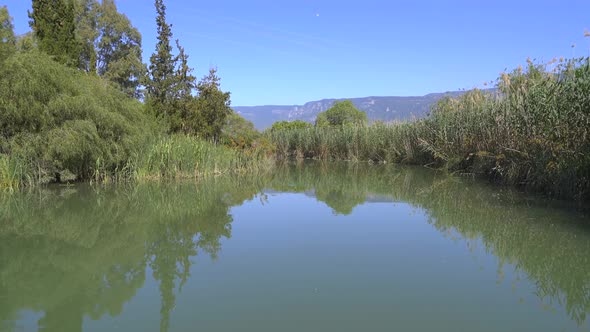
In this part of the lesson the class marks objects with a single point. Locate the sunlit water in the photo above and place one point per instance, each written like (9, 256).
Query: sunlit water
(314, 247)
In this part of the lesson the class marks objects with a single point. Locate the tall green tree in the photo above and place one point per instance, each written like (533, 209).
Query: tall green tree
(119, 50)
(160, 86)
(182, 116)
(87, 32)
(238, 132)
(111, 45)
(341, 113)
(213, 106)
(7, 38)
(185, 81)
(54, 24)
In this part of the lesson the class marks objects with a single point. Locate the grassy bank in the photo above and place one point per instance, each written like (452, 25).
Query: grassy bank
(58, 124)
(533, 130)
(180, 156)
(168, 157)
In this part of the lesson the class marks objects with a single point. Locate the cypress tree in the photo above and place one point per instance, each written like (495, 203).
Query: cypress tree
(54, 24)
(162, 66)
(185, 83)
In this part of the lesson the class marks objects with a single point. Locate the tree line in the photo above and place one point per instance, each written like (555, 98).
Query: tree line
(76, 97)
(94, 37)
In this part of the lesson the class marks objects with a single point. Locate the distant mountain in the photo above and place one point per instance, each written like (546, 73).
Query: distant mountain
(377, 108)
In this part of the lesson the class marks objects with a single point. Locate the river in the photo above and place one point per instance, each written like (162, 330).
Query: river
(307, 247)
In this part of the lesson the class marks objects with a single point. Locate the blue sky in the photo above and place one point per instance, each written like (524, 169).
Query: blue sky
(294, 51)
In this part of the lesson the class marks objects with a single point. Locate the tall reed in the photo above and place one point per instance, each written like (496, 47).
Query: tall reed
(533, 130)
(181, 156)
(13, 173)
(376, 143)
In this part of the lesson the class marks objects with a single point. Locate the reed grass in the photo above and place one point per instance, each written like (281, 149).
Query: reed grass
(533, 130)
(181, 156)
(167, 157)
(13, 173)
(377, 143)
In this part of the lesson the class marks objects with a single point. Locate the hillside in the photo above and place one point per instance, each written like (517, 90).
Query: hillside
(377, 108)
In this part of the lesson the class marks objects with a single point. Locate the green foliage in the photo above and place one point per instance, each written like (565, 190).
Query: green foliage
(7, 38)
(170, 88)
(377, 143)
(185, 81)
(26, 42)
(119, 50)
(111, 46)
(182, 156)
(533, 133)
(288, 125)
(238, 132)
(160, 85)
(340, 114)
(183, 117)
(212, 106)
(61, 124)
(54, 24)
(87, 13)
(13, 174)
(58, 121)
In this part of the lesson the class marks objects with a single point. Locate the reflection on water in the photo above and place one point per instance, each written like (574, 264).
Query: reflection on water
(78, 253)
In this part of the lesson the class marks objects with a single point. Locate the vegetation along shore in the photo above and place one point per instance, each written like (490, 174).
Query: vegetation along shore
(532, 130)
(77, 103)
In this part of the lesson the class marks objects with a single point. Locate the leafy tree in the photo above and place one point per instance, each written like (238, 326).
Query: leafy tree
(238, 132)
(7, 38)
(212, 106)
(119, 50)
(287, 125)
(170, 86)
(87, 32)
(341, 113)
(111, 46)
(60, 121)
(162, 67)
(53, 22)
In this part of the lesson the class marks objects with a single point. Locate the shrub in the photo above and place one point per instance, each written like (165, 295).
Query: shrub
(59, 121)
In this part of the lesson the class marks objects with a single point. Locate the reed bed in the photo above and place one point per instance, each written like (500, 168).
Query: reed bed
(13, 173)
(181, 156)
(532, 130)
(168, 157)
(377, 143)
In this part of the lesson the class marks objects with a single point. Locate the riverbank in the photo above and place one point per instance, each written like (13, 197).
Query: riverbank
(169, 157)
(532, 131)
(58, 124)
(61, 125)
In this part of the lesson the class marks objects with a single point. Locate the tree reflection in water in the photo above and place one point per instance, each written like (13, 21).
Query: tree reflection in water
(82, 252)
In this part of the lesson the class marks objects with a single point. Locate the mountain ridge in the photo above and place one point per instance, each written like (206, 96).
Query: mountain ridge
(378, 108)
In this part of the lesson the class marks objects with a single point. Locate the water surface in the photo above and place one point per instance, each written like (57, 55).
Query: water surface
(314, 247)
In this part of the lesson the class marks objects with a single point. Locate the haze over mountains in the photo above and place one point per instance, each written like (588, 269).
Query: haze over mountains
(377, 109)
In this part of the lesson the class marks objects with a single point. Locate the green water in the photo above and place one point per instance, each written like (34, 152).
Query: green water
(334, 247)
